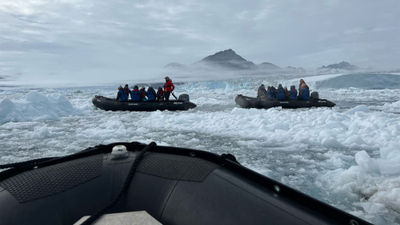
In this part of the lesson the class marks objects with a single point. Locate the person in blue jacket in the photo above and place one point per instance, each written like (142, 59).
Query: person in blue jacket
(293, 93)
(122, 96)
(151, 94)
(305, 93)
(280, 93)
(271, 92)
(135, 94)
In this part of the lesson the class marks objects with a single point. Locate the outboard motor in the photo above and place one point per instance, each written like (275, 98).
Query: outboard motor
(183, 97)
(314, 95)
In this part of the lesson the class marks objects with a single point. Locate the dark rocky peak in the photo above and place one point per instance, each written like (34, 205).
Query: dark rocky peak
(225, 55)
(228, 59)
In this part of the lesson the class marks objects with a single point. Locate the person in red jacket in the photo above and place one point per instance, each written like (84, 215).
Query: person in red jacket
(168, 88)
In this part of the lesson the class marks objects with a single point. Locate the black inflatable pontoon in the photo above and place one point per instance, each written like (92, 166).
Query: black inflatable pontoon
(105, 103)
(249, 102)
(174, 185)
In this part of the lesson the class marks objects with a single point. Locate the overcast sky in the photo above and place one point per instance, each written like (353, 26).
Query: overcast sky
(121, 39)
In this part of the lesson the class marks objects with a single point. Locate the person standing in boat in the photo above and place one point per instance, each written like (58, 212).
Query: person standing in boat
(168, 88)
(135, 94)
(122, 96)
(304, 90)
(160, 94)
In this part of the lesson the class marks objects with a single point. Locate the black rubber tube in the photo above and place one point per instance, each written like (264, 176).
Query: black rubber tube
(125, 186)
(32, 162)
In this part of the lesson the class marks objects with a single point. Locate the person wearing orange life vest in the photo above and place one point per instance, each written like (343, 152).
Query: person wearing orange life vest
(302, 84)
(168, 88)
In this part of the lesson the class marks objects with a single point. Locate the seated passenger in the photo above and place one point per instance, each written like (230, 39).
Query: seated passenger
(280, 93)
(143, 94)
(293, 93)
(151, 94)
(286, 92)
(272, 93)
(127, 91)
(160, 94)
(135, 94)
(304, 93)
(262, 93)
(122, 96)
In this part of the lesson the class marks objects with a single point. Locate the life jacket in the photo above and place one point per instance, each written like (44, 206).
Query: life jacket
(123, 96)
(135, 95)
(305, 93)
(293, 94)
(271, 94)
(280, 94)
(151, 95)
(169, 86)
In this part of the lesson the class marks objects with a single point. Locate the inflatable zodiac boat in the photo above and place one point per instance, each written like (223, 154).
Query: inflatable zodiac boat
(105, 103)
(249, 102)
(174, 185)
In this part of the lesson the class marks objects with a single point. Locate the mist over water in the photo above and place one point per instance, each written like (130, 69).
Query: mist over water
(347, 156)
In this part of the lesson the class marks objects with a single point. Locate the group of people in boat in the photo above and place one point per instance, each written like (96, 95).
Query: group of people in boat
(138, 95)
(282, 93)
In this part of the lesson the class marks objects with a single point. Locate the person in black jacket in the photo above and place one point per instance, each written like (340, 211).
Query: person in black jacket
(143, 94)
(160, 94)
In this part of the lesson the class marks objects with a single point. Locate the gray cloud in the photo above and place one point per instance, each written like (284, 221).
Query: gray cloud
(134, 39)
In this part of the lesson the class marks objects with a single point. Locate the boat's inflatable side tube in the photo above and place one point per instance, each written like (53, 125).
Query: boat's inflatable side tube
(115, 105)
(175, 186)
